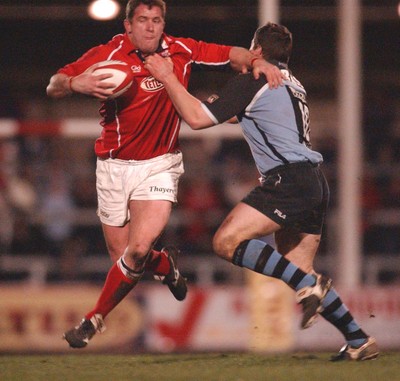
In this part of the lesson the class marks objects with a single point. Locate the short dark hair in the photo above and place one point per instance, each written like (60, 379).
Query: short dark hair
(275, 40)
(133, 4)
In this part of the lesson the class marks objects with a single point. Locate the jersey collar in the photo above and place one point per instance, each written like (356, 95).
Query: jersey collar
(281, 65)
(162, 49)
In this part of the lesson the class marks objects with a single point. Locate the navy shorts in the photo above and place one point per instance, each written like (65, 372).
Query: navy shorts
(294, 195)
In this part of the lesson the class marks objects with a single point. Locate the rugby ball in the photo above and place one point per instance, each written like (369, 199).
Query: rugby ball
(122, 75)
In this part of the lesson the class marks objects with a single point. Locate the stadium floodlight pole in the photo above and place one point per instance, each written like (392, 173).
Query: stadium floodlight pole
(350, 152)
(268, 10)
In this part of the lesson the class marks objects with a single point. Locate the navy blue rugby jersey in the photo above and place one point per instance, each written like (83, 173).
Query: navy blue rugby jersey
(275, 122)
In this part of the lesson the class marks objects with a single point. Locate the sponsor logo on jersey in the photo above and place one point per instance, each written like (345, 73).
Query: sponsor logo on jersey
(151, 84)
(136, 68)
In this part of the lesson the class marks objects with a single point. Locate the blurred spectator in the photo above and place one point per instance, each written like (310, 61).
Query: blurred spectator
(21, 194)
(391, 191)
(237, 172)
(370, 202)
(57, 208)
(371, 194)
(381, 229)
(5, 209)
(379, 118)
(17, 200)
(201, 204)
(239, 178)
(27, 238)
(88, 233)
(6, 230)
(10, 104)
(84, 191)
(69, 259)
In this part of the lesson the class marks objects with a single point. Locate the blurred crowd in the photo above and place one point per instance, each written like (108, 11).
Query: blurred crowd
(48, 197)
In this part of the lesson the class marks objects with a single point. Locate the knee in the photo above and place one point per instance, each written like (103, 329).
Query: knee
(223, 246)
(137, 255)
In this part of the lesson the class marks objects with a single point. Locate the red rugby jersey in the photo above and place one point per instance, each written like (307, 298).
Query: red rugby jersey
(142, 123)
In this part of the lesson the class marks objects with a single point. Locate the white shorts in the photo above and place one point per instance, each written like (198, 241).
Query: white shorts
(119, 181)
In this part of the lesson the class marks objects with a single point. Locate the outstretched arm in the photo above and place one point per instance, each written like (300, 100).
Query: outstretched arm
(188, 107)
(243, 60)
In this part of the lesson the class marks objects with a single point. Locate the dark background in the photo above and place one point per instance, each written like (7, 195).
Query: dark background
(34, 45)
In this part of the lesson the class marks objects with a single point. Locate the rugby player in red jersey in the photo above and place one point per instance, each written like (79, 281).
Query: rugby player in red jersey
(138, 157)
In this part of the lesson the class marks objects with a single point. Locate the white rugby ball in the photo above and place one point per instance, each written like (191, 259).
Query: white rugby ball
(122, 75)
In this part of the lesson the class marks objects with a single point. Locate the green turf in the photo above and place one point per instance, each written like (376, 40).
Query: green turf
(196, 367)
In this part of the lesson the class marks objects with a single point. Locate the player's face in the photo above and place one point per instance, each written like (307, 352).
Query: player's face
(145, 28)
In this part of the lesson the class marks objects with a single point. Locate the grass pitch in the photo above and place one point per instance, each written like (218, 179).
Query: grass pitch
(196, 367)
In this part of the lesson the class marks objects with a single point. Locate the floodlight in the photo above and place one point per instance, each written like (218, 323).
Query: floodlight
(104, 9)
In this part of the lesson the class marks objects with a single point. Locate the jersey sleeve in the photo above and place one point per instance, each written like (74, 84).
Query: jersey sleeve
(234, 97)
(208, 54)
(96, 54)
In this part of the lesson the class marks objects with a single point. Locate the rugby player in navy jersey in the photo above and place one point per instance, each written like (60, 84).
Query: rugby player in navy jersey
(292, 198)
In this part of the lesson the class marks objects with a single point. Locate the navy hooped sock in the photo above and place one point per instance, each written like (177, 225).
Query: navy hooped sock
(336, 312)
(260, 257)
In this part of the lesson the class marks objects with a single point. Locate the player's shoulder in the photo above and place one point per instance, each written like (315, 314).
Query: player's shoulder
(179, 42)
(248, 80)
(187, 43)
(117, 41)
(106, 48)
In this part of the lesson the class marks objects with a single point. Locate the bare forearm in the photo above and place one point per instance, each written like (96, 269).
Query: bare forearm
(243, 60)
(240, 58)
(188, 107)
(59, 86)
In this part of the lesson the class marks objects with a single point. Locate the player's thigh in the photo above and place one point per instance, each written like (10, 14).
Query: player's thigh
(299, 248)
(242, 223)
(148, 220)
